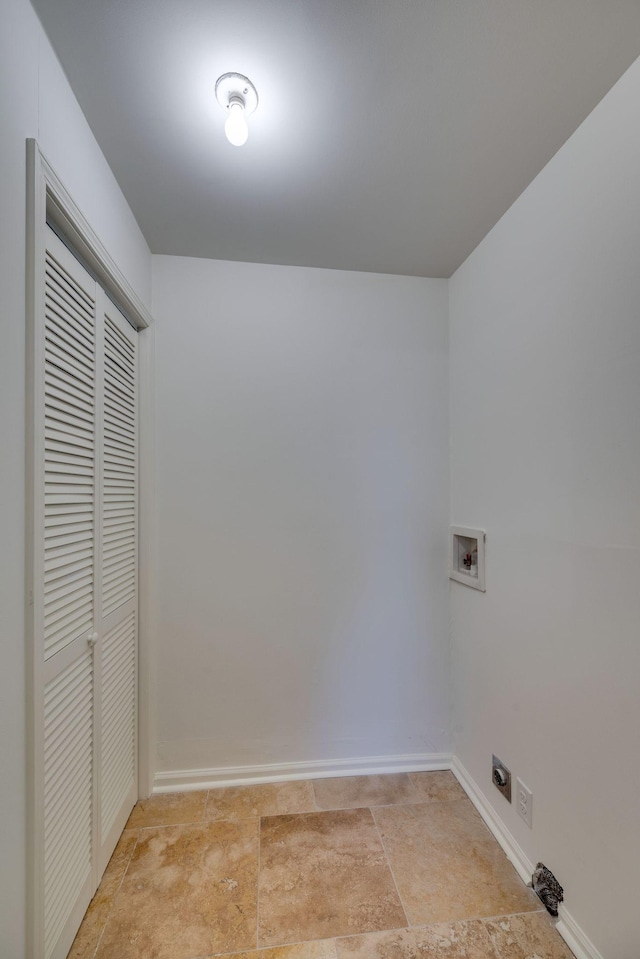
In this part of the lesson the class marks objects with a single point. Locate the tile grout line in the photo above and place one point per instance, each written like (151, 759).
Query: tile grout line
(387, 805)
(258, 882)
(386, 856)
(192, 822)
(314, 798)
(417, 802)
(503, 915)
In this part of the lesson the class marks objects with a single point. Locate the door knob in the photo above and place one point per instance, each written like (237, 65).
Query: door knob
(92, 639)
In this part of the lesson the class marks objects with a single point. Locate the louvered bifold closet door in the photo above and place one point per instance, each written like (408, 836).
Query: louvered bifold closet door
(119, 578)
(85, 598)
(65, 592)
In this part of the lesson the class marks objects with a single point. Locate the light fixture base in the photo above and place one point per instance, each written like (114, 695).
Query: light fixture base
(231, 85)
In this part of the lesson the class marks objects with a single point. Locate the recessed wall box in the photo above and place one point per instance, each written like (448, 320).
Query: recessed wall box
(466, 556)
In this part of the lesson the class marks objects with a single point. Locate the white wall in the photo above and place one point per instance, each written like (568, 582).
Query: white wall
(302, 508)
(35, 101)
(545, 419)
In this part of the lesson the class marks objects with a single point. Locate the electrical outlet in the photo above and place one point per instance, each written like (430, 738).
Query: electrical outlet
(525, 802)
(501, 777)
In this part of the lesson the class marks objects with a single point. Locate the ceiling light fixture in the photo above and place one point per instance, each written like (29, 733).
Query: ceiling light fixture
(237, 95)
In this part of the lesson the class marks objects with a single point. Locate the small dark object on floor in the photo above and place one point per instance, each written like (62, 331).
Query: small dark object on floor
(547, 888)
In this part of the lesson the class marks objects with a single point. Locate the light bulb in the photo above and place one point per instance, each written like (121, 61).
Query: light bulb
(235, 125)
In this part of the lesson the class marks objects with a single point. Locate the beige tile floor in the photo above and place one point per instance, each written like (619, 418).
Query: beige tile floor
(366, 867)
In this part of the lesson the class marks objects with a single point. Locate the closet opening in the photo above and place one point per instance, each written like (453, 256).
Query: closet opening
(89, 572)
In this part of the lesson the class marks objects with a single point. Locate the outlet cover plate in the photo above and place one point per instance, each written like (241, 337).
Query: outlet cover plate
(524, 802)
(501, 777)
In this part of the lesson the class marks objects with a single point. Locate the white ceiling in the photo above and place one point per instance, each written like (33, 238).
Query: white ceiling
(390, 136)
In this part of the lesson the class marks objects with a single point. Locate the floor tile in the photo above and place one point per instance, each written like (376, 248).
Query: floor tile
(86, 941)
(351, 792)
(455, 940)
(264, 799)
(318, 949)
(447, 865)
(168, 809)
(440, 786)
(527, 937)
(324, 875)
(189, 891)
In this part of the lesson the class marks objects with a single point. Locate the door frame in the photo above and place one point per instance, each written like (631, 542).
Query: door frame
(49, 201)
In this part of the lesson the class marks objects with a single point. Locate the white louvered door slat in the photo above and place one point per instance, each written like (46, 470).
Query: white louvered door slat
(118, 579)
(85, 590)
(118, 759)
(69, 467)
(68, 739)
(67, 605)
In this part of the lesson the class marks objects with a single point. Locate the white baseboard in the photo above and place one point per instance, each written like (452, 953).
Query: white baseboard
(179, 780)
(573, 935)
